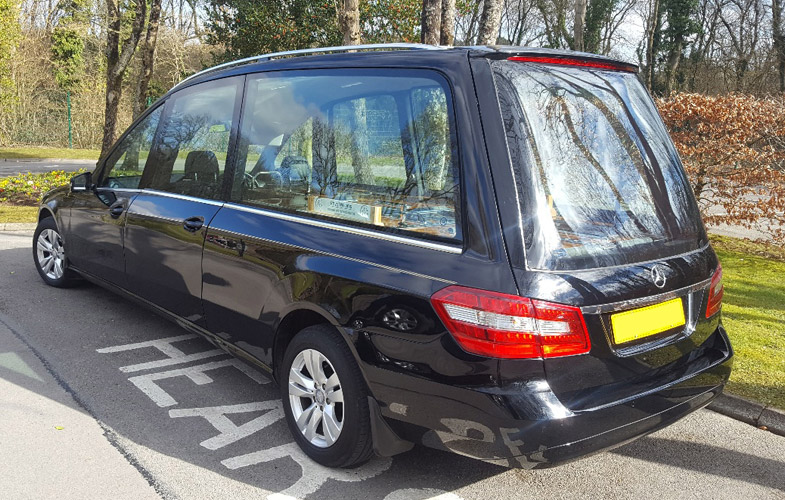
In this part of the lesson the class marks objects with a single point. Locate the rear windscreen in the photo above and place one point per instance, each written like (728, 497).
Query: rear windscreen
(599, 180)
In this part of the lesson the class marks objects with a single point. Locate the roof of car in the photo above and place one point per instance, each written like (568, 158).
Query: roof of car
(495, 51)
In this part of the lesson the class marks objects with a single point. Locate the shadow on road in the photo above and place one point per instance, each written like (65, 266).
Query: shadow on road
(708, 459)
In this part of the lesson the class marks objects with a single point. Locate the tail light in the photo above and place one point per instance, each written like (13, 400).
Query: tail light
(716, 290)
(498, 325)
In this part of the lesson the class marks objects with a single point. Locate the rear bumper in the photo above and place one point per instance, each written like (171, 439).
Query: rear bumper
(527, 426)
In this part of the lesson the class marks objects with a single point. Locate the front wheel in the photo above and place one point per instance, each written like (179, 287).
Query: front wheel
(325, 399)
(49, 255)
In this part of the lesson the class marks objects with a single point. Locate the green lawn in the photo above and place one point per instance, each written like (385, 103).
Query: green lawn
(753, 312)
(42, 153)
(11, 213)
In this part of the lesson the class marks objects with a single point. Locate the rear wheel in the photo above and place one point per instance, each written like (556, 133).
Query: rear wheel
(49, 255)
(325, 399)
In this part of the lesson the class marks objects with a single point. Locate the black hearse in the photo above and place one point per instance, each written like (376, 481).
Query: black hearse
(491, 250)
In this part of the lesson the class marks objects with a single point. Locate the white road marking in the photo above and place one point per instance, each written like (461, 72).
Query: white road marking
(313, 474)
(146, 383)
(230, 433)
(421, 494)
(174, 355)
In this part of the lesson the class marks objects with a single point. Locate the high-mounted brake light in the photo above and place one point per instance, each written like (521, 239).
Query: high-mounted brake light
(716, 290)
(498, 325)
(572, 61)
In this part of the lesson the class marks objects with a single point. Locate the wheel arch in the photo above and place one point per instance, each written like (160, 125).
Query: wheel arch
(295, 319)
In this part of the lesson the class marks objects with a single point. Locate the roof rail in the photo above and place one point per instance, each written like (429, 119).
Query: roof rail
(318, 50)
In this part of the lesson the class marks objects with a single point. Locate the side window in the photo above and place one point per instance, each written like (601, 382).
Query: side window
(367, 147)
(190, 156)
(124, 168)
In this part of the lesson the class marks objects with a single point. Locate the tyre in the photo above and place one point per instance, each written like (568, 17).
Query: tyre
(49, 255)
(325, 399)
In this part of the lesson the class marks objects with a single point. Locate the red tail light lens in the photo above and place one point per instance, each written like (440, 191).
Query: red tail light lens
(716, 290)
(498, 325)
(573, 61)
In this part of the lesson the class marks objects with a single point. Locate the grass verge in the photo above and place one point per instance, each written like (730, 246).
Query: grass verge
(13, 213)
(31, 153)
(753, 312)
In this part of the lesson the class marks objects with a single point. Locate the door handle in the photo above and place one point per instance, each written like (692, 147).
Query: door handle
(193, 224)
(116, 210)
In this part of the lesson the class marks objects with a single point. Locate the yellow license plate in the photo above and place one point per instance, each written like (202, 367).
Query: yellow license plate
(647, 321)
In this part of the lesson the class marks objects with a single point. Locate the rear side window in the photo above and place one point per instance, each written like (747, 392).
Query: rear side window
(599, 180)
(194, 139)
(367, 147)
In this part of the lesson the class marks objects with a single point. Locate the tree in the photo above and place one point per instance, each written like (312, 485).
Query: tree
(148, 58)
(251, 27)
(10, 34)
(652, 41)
(447, 23)
(676, 34)
(119, 51)
(431, 21)
(742, 22)
(578, 24)
(386, 21)
(349, 21)
(68, 43)
(778, 35)
(489, 22)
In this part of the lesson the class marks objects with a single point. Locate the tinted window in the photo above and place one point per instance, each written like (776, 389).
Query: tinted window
(124, 167)
(368, 147)
(191, 151)
(601, 183)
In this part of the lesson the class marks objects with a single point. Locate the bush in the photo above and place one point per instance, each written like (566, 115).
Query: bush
(733, 148)
(27, 189)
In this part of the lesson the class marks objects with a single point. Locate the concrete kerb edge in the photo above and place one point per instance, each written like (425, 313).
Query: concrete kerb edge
(17, 226)
(750, 412)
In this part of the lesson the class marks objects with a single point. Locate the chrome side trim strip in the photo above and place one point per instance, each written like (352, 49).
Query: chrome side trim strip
(343, 257)
(176, 196)
(440, 247)
(644, 301)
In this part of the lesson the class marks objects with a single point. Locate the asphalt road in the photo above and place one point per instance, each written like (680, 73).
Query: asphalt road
(15, 166)
(141, 420)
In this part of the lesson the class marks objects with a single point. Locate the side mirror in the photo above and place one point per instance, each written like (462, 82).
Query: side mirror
(82, 182)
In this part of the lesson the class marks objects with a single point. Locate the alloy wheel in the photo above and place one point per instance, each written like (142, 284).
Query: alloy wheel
(51, 254)
(316, 398)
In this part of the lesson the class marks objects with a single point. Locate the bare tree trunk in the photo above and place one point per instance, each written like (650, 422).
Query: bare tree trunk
(448, 22)
(579, 22)
(117, 60)
(674, 58)
(651, 31)
(148, 56)
(431, 21)
(349, 21)
(778, 33)
(489, 22)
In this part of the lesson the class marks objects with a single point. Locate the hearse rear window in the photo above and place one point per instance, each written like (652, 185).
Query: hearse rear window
(367, 147)
(600, 182)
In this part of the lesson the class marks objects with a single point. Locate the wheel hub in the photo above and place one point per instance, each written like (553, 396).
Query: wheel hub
(319, 397)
